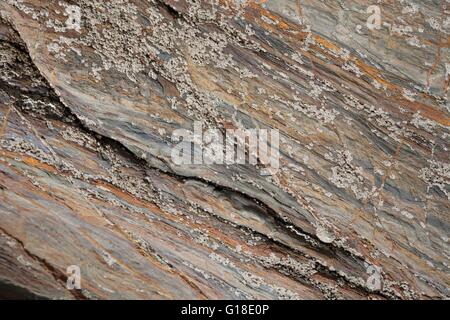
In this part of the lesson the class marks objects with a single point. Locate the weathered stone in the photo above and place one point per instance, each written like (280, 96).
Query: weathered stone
(86, 176)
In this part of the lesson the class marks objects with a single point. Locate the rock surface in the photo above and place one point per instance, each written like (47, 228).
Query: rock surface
(87, 113)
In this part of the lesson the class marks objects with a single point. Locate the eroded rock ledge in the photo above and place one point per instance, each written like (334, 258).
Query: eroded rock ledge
(86, 177)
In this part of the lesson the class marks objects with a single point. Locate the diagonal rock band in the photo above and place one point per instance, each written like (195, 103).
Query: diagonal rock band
(224, 149)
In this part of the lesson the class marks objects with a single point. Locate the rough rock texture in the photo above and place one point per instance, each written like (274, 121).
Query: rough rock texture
(86, 176)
